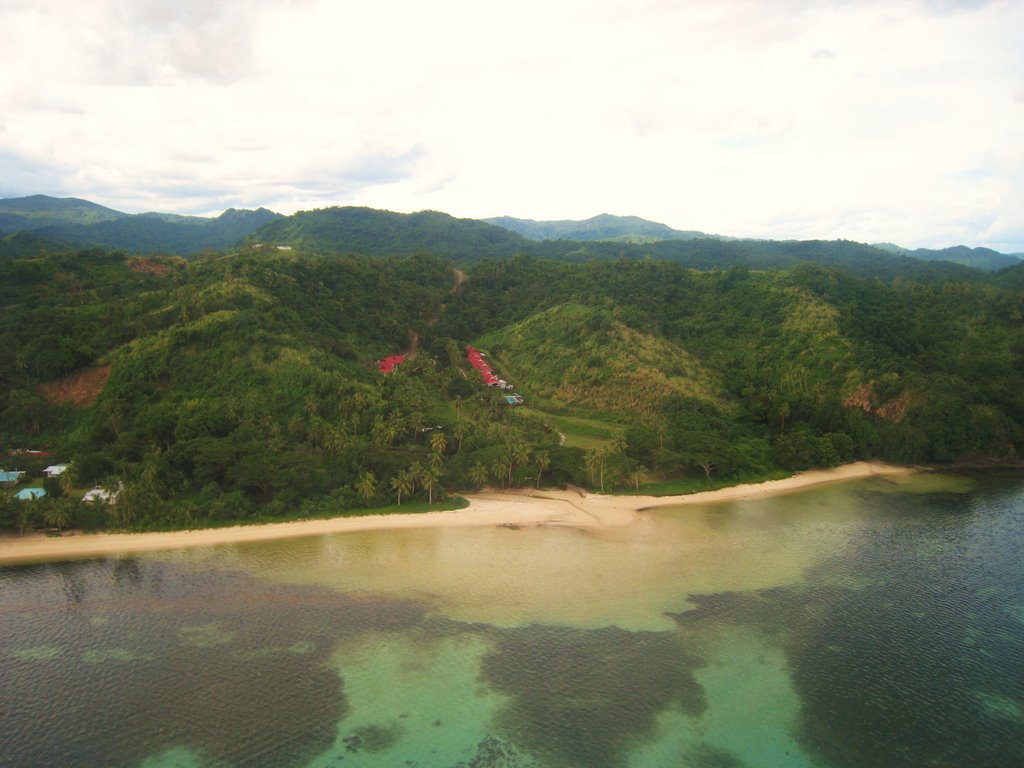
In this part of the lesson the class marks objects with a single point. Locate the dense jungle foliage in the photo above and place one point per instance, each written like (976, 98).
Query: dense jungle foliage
(245, 386)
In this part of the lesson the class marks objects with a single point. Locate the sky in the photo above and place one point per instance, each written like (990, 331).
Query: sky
(892, 121)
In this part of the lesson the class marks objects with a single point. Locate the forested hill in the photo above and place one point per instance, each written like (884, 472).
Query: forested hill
(239, 387)
(37, 211)
(1012, 277)
(626, 229)
(980, 258)
(371, 232)
(80, 223)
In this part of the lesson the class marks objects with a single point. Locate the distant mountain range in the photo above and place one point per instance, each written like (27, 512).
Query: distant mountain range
(980, 258)
(624, 229)
(372, 232)
(83, 223)
(39, 223)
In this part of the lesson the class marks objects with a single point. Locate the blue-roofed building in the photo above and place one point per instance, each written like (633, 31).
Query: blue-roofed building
(29, 494)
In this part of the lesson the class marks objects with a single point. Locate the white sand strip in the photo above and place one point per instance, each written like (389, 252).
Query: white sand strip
(512, 508)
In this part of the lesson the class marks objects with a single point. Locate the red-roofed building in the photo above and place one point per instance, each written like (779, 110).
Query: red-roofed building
(387, 365)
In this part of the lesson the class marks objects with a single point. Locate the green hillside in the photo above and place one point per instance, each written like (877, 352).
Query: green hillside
(80, 223)
(577, 355)
(908, 372)
(37, 211)
(627, 229)
(978, 258)
(151, 233)
(371, 232)
(1011, 277)
(21, 244)
(245, 386)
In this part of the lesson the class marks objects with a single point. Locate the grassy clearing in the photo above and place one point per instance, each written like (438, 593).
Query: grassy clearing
(579, 431)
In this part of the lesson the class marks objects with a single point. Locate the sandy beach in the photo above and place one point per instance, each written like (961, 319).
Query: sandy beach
(523, 507)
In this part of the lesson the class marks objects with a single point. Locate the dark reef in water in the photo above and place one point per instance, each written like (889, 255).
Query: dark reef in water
(230, 667)
(586, 696)
(924, 666)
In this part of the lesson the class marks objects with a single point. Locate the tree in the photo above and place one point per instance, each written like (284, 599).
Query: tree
(334, 440)
(438, 442)
(68, 478)
(416, 474)
(542, 461)
(8, 512)
(781, 412)
(591, 461)
(459, 432)
(516, 452)
(401, 483)
(60, 513)
(478, 474)
(430, 478)
(501, 466)
(636, 475)
(366, 486)
(597, 459)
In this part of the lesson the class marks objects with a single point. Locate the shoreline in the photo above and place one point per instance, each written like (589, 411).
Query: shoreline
(513, 508)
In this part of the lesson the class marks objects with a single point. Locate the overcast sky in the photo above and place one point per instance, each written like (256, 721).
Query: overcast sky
(896, 120)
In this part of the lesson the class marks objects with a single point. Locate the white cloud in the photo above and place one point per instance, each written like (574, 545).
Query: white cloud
(869, 120)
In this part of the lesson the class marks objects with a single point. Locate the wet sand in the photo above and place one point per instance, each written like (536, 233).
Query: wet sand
(524, 507)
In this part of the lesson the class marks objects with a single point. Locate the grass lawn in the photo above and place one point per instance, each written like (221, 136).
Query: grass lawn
(579, 431)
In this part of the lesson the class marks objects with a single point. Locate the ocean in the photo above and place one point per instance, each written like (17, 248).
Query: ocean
(866, 624)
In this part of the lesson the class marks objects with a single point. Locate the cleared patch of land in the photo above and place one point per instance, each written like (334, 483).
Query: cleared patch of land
(579, 431)
(79, 389)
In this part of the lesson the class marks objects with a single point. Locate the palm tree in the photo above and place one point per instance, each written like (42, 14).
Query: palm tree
(401, 483)
(334, 441)
(438, 442)
(430, 479)
(590, 459)
(437, 445)
(517, 452)
(459, 432)
(498, 469)
(478, 474)
(416, 474)
(68, 478)
(601, 457)
(59, 513)
(366, 486)
(541, 461)
(636, 475)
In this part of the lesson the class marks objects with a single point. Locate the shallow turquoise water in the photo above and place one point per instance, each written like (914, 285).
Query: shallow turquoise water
(876, 623)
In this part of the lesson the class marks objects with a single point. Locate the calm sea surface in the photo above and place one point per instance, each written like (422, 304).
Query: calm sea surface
(870, 624)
